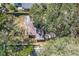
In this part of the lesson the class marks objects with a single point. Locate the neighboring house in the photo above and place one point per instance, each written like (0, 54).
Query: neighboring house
(23, 6)
(19, 6)
(26, 5)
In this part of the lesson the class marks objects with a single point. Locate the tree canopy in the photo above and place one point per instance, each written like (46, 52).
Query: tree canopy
(12, 38)
(58, 18)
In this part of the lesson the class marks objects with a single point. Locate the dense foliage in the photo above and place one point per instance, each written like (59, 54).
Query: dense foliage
(19, 50)
(12, 7)
(58, 18)
(63, 20)
(11, 36)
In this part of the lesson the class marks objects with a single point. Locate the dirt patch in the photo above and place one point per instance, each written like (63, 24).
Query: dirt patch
(40, 43)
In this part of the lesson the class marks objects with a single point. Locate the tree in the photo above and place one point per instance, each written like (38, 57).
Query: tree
(12, 36)
(12, 7)
(58, 18)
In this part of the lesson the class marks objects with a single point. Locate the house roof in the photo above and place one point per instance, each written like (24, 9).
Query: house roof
(26, 5)
(23, 5)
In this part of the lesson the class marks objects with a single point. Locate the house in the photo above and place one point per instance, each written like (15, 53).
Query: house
(19, 6)
(26, 5)
(23, 6)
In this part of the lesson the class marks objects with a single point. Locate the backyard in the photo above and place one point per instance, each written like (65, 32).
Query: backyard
(45, 30)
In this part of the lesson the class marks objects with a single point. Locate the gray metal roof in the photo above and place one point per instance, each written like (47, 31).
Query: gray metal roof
(26, 5)
(23, 5)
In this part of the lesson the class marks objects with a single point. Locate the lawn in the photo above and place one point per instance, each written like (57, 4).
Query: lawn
(65, 46)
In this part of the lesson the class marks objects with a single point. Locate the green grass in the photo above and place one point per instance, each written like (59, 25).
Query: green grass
(2, 51)
(65, 46)
(26, 51)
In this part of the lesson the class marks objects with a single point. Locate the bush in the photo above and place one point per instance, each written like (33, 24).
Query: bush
(26, 51)
(11, 34)
(12, 8)
(58, 18)
(19, 50)
(2, 50)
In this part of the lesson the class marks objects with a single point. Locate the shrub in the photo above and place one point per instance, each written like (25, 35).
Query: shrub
(58, 18)
(26, 51)
(12, 8)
